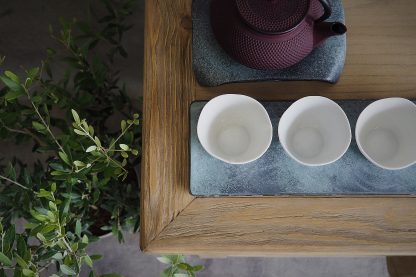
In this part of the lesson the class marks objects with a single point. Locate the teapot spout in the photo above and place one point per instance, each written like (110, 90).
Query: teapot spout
(324, 30)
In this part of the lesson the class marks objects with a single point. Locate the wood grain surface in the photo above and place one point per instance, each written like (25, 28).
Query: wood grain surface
(292, 227)
(168, 91)
(381, 62)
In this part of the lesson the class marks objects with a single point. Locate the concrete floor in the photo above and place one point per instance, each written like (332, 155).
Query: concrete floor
(23, 38)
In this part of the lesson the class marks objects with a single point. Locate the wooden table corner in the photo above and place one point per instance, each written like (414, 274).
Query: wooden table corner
(381, 62)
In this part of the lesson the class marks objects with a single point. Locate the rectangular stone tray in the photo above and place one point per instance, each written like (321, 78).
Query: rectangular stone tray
(275, 173)
(213, 67)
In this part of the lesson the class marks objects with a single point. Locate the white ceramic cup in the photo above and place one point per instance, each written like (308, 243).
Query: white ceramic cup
(315, 131)
(386, 133)
(235, 128)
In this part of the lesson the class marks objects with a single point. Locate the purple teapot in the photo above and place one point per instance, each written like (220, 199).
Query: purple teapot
(272, 34)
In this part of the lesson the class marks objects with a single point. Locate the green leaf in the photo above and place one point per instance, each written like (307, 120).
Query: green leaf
(21, 246)
(45, 194)
(96, 257)
(12, 76)
(33, 72)
(8, 240)
(124, 162)
(124, 155)
(85, 124)
(185, 266)
(198, 268)
(20, 261)
(78, 228)
(181, 275)
(134, 152)
(124, 147)
(74, 247)
(123, 125)
(48, 228)
(168, 272)
(52, 206)
(38, 216)
(164, 260)
(11, 171)
(97, 141)
(28, 272)
(41, 237)
(12, 85)
(31, 225)
(91, 130)
(5, 260)
(13, 94)
(88, 260)
(37, 99)
(64, 158)
(67, 270)
(91, 148)
(84, 239)
(79, 163)
(38, 126)
(76, 116)
(58, 256)
(111, 275)
(57, 173)
(78, 132)
(53, 187)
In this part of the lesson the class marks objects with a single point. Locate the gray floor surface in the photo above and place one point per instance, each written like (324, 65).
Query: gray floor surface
(23, 38)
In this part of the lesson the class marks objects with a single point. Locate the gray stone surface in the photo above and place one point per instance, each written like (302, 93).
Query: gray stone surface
(275, 173)
(23, 37)
(213, 67)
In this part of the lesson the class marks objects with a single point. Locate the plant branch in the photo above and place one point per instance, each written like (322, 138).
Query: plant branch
(121, 135)
(24, 131)
(103, 150)
(15, 183)
(43, 121)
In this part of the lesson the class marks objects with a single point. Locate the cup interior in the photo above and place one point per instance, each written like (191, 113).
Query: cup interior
(234, 128)
(386, 133)
(315, 131)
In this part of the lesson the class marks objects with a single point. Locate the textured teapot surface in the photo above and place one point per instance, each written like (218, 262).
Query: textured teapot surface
(270, 34)
(272, 17)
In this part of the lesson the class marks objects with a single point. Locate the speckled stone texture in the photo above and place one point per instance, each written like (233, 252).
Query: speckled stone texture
(213, 67)
(275, 173)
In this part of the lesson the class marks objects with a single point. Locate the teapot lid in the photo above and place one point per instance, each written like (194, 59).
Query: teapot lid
(273, 16)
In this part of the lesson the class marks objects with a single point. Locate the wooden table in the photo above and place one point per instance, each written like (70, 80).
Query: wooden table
(381, 62)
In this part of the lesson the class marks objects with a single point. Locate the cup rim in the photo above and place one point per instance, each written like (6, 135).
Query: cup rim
(344, 115)
(360, 147)
(263, 110)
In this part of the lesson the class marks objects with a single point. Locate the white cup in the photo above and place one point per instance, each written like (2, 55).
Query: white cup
(386, 133)
(235, 128)
(315, 131)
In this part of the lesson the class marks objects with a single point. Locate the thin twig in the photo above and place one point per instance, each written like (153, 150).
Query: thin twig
(103, 149)
(43, 121)
(14, 182)
(24, 131)
(121, 135)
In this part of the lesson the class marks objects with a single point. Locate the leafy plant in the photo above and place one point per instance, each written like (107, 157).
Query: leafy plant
(178, 267)
(84, 182)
